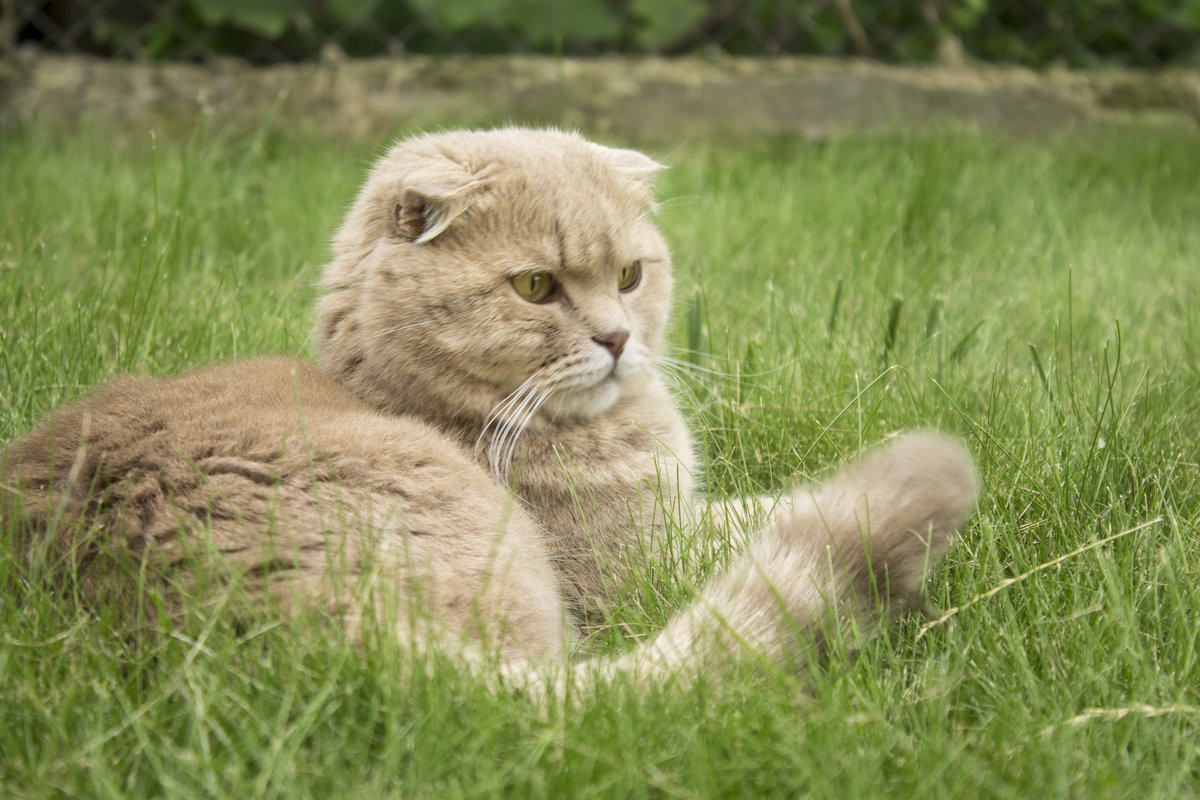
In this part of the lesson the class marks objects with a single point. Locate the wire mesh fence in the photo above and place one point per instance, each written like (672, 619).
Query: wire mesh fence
(1131, 33)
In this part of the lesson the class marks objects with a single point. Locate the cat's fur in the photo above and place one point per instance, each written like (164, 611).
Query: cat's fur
(497, 464)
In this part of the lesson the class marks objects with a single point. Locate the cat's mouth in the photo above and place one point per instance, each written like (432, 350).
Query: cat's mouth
(563, 394)
(534, 410)
(593, 392)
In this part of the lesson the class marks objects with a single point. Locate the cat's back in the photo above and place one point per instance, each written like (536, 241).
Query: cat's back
(222, 436)
(245, 408)
(285, 475)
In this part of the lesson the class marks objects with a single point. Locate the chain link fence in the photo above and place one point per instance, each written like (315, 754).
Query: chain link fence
(1077, 33)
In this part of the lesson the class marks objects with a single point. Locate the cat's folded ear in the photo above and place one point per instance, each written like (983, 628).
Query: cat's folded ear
(637, 168)
(432, 196)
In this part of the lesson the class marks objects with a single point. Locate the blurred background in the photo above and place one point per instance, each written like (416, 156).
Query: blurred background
(1093, 33)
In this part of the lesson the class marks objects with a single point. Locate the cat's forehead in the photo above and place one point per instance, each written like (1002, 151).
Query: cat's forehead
(566, 174)
(517, 159)
(514, 181)
(577, 219)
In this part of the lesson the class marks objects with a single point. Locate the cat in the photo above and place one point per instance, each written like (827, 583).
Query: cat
(489, 444)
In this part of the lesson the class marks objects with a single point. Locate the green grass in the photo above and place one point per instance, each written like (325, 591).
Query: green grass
(1039, 298)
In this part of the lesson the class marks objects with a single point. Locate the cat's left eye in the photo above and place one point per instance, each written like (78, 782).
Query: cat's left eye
(630, 276)
(535, 287)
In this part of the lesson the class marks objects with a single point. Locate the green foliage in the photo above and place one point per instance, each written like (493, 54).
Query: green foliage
(266, 18)
(351, 12)
(538, 22)
(661, 22)
(1144, 33)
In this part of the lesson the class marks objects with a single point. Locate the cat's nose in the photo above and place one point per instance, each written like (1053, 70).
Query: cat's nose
(614, 342)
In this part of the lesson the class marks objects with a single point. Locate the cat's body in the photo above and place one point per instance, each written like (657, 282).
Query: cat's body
(297, 485)
(608, 439)
(490, 442)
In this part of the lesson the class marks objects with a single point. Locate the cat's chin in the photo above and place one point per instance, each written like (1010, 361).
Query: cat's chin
(581, 405)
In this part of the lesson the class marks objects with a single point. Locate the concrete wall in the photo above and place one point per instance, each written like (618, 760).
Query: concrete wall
(640, 99)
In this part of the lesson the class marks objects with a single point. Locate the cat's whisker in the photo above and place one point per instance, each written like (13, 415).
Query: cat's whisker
(391, 331)
(501, 409)
(681, 380)
(686, 367)
(516, 430)
(671, 369)
(520, 428)
(502, 417)
(678, 200)
(518, 412)
(505, 444)
(680, 373)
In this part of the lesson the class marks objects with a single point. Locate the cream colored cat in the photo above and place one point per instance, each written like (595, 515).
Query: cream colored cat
(489, 442)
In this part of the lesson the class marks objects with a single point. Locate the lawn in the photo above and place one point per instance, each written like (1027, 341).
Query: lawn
(1040, 298)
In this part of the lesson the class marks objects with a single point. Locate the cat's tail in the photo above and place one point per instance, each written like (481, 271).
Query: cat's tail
(841, 556)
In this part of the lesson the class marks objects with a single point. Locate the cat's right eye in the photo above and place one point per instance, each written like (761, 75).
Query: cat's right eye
(535, 287)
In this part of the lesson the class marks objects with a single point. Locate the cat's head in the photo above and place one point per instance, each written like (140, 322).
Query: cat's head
(502, 273)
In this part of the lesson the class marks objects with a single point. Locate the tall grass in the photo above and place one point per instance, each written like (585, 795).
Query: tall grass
(1039, 298)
